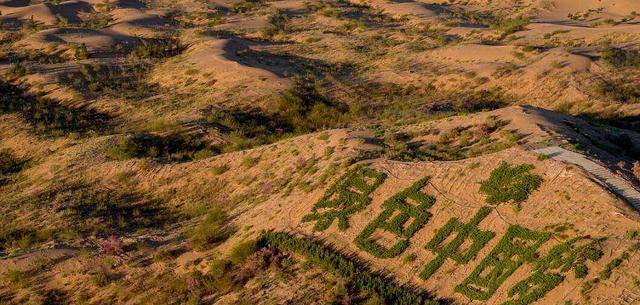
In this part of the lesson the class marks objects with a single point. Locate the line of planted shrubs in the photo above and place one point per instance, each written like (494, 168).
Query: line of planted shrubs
(360, 277)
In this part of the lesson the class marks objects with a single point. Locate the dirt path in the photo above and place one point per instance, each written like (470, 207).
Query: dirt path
(615, 183)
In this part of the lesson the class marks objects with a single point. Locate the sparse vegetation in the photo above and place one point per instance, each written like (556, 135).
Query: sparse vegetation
(167, 148)
(47, 116)
(621, 58)
(161, 47)
(116, 81)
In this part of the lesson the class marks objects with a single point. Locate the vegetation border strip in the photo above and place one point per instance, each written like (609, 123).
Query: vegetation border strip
(348, 266)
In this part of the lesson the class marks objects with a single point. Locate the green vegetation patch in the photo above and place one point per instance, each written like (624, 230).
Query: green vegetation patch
(510, 183)
(621, 90)
(47, 116)
(410, 204)
(621, 58)
(463, 232)
(161, 47)
(345, 197)
(516, 247)
(550, 270)
(360, 278)
(126, 82)
(9, 165)
(167, 148)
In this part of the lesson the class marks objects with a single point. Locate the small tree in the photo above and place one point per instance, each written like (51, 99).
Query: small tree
(81, 52)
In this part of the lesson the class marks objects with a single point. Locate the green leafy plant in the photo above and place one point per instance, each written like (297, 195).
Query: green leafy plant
(161, 47)
(463, 232)
(169, 148)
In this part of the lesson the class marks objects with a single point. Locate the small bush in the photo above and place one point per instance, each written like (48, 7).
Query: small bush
(511, 25)
(213, 230)
(619, 90)
(16, 277)
(81, 52)
(122, 81)
(242, 251)
(9, 163)
(510, 183)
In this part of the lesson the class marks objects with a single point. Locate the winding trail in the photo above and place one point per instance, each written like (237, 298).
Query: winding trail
(618, 185)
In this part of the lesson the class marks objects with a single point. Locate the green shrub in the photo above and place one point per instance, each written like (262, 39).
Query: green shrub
(619, 90)
(244, 6)
(122, 81)
(510, 183)
(306, 110)
(9, 163)
(80, 52)
(511, 25)
(278, 24)
(221, 275)
(161, 47)
(242, 251)
(213, 230)
(244, 129)
(16, 277)
(80, 205)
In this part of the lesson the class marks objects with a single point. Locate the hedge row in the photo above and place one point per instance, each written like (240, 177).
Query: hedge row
(360, 278)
